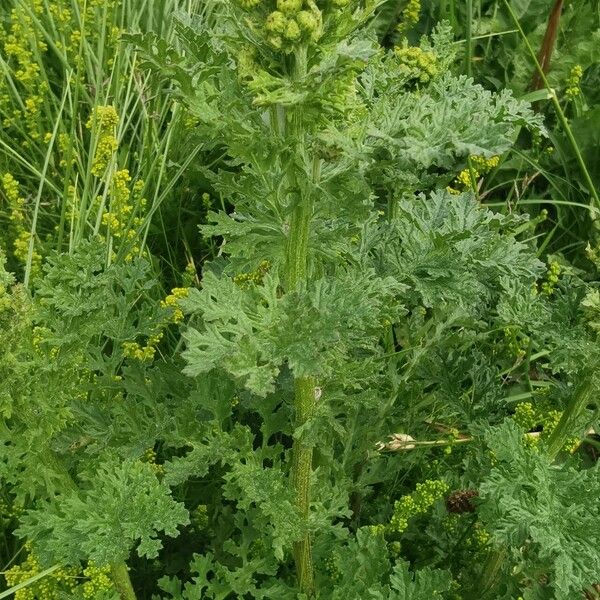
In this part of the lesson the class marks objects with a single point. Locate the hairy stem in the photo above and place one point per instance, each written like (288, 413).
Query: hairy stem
(120, 577)
(296, 275)
(301, 471)
(304, 396)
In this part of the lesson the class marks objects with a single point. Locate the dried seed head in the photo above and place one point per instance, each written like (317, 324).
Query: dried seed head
(460, 501)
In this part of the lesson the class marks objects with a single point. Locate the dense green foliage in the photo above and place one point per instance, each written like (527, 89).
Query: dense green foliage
(301, 305)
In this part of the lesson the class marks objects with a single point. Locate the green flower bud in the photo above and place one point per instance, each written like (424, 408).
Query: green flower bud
(289, 7)
(307, 22)
(276, 23)
(292, 31)
(275, 41)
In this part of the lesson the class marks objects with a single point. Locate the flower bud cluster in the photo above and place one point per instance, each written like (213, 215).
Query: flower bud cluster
(8, 510)
(479, 538)
(573, 88)
(518, 343)
(467, 179)
(410, 16)
(98, 581)
(291, 22)
(150, 457)
(58, 584)
(529, 418)
(426, 494)
(246, 280)
(199, 517)
(417, 65)
(332, 567)
(552, 277)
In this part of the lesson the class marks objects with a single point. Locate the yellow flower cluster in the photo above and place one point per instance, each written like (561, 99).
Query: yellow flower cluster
(52, 587)
(171, 302)
(23, 48)
(467, 179)
(410, 16)
(98, 581)
(426, 494)
(150, 458)
(20, 233)
(147, 352)
(529, 417)
(517, 343)
(21, 252)
(144, 353)
(103, 122)
(416, 64)
(552, 277)
(16, 202)
(293, 22)
(28, 24)
(573, 88)
(124, 218)
(246, 280)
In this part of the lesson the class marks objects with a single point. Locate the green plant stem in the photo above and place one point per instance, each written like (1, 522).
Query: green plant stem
(295, 276)
(122, 581)
(469, 39)
(304, 395)
(297, 246)
(491, 571)
(559, 111)
(302, 453)
(568, 421)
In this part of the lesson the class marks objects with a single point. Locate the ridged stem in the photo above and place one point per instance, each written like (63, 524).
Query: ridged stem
(122, 581)
(304, 396)
(301, 471)
(296, 275)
